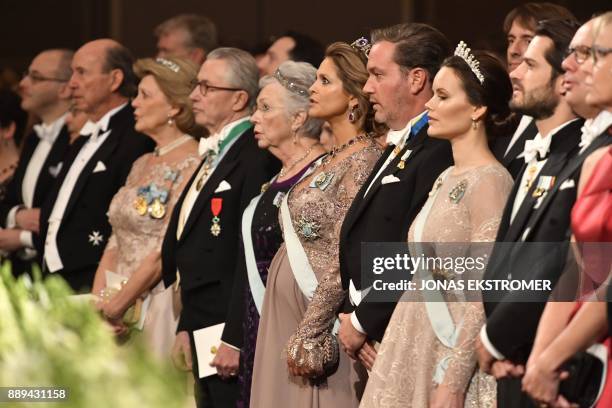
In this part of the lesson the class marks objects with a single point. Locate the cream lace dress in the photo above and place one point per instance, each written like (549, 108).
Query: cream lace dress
(407, 367)
(135, 236)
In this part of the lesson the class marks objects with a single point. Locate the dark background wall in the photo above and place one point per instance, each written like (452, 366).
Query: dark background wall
(29, 26)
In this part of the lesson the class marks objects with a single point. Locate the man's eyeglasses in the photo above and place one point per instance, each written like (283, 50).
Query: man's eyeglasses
(599, 52)
(205, 87)
(34, 77)
(581, 53)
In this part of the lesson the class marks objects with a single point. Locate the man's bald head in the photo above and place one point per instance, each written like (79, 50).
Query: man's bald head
(102, 70)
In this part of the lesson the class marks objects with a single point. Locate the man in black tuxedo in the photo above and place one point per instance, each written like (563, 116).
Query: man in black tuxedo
(202, 240)
(401, 73)
(538, 210)
(45, 94)
(519, 27)
(74, 227)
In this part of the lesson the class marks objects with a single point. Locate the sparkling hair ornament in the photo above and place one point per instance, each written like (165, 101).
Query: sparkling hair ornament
(290, 85)
(465, 54)
(362, 45)
(168, 64)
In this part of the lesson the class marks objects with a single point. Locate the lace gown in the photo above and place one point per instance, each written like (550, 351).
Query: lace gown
(288, 320)
(407, 370)
(135, 236)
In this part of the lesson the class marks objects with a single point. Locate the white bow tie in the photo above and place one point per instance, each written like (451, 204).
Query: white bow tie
(92, 129)
(44, 132)
(210, 143)
(537, 146)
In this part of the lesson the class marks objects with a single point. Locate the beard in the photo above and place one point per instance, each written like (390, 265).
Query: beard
(539, 103)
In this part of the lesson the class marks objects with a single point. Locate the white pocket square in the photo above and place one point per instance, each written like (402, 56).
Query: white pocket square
(223, 186)
(567, 184)
(99, 167)
(389, 179)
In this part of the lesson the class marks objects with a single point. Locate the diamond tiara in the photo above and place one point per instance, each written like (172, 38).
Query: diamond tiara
(465, 53)
(290, 85)
(362, 44)
(168, 64)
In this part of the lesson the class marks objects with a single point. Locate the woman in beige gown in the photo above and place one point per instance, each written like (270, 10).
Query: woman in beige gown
(140, 210)
(416, 365)
(297, 361)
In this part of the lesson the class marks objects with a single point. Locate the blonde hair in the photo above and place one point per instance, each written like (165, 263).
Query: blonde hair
(175, 77)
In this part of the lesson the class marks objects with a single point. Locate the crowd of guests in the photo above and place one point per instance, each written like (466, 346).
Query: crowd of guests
(211, 186)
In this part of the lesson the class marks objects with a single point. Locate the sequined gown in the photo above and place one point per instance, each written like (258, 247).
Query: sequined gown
(136, 236)
(288, 319)
(410, 352)
(267, 238)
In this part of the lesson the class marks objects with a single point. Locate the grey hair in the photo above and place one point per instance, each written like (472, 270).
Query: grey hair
(242, 70)
(303, 75)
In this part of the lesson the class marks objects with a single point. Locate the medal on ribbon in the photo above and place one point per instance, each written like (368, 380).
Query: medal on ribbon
(151, 200)
(544, 184)
(216, 204)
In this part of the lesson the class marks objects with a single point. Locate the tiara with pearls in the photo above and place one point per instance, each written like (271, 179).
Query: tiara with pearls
(290, 85)
(465, 53)
(168, 64)
(363, 45)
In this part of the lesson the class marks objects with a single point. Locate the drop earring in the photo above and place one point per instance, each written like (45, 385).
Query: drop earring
(353, 114)
(474, 124)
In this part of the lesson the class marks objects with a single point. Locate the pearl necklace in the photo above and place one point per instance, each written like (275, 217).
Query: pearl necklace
(160, 151)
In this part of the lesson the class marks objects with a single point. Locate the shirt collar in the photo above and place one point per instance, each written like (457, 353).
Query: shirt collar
(397, 137)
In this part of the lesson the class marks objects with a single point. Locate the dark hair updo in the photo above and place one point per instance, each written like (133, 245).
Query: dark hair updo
(494, 93)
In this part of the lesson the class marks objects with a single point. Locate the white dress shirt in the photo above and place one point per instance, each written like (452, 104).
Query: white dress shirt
(47, 133)
(97, 138)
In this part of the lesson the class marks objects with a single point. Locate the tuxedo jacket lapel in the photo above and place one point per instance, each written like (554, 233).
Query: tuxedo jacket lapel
(102, 154)
(519, 145)
(227, 164)
(566, 172)
(220, 173)
(26, 154)
(414, 144)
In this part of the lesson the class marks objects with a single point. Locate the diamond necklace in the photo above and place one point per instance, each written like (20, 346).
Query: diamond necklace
(284, 171)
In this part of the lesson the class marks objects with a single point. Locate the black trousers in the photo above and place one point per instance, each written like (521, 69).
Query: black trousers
(212, 391)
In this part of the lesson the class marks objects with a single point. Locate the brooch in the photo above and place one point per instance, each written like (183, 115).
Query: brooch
(308, 229)
(95, 238)
(457, 192)
(322, 180)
